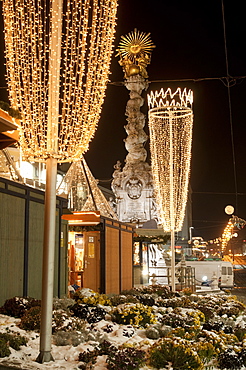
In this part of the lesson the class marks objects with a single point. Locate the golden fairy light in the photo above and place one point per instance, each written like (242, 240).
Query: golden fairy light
(170, 126)
(87, 33)
(57, 57)
(228, 233)
(83, 191)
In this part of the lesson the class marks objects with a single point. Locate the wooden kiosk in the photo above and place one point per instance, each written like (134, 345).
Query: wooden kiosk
(100, 252)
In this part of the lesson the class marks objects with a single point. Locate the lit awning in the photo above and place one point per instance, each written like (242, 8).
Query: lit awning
(83, 218)
(8, 138)
(8, 130)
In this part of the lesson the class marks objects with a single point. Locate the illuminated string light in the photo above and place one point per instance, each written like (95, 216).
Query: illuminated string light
(87, 38)
(170, 125)
(57, 58)
(228, 232)
(227, 235)
(179, 98)
(80, 185)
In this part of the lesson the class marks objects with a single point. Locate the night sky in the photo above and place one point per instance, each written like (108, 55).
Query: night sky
(189, 39)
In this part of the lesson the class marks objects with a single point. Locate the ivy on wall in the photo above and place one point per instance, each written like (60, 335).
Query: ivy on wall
(12, 112)
(81, 229)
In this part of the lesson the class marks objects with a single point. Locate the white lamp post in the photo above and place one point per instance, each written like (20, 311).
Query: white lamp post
(57, 57)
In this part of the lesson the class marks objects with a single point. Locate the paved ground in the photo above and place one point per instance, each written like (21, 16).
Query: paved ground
(240, 285)
(240, 293)
(240, 278)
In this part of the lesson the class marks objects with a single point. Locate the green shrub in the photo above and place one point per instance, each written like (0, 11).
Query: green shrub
(17, 341)
(31, 319)
(63, 320)
(63, 303)
(133, 314)
(157, 290)
(206, 351)
(14, 340)
(4, 348)
(121, 299)
(125, 359)
(230, 360)
(93, 299)
(175, 352)
(17, 306)
(183, 333)
(184, 319)
(219, 340)
(89, 357)
(232, 309)
(174, 302)
(10, 340)
(240, 332)
(65, 338)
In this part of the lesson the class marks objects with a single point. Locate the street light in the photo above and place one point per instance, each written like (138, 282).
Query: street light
(57, 58)
(190, 231)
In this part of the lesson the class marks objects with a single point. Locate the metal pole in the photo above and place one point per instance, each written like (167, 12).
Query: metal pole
(48, 262)
(173, 261)
(50, 189)
(171, 204)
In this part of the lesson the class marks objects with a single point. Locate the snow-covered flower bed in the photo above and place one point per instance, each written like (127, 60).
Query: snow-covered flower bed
(144, 328)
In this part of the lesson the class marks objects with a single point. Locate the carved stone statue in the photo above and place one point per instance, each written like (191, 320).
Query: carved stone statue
(132, 185)
(135, 51)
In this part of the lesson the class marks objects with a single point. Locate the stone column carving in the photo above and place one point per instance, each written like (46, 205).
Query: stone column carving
(132, 184)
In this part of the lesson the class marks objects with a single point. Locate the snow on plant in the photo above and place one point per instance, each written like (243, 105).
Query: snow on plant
(185, 318)
(176, 353)
(128, 358)
(189, 331)
(156, 290)
(95, 299)
(182, 301)
(133, 314)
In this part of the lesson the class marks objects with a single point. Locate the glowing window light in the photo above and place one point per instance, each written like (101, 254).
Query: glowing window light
(26, 170)
(170, 125)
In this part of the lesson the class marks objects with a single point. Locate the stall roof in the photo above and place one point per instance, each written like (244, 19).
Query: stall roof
(83, 218)
(6, 122)
(8, 130)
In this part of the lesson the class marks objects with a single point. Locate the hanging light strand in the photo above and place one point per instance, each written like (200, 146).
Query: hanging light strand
(87, 45)
(170, 124)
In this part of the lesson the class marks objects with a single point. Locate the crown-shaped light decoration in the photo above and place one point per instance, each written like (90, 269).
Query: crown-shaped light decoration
(180, 98)
(170, 126)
